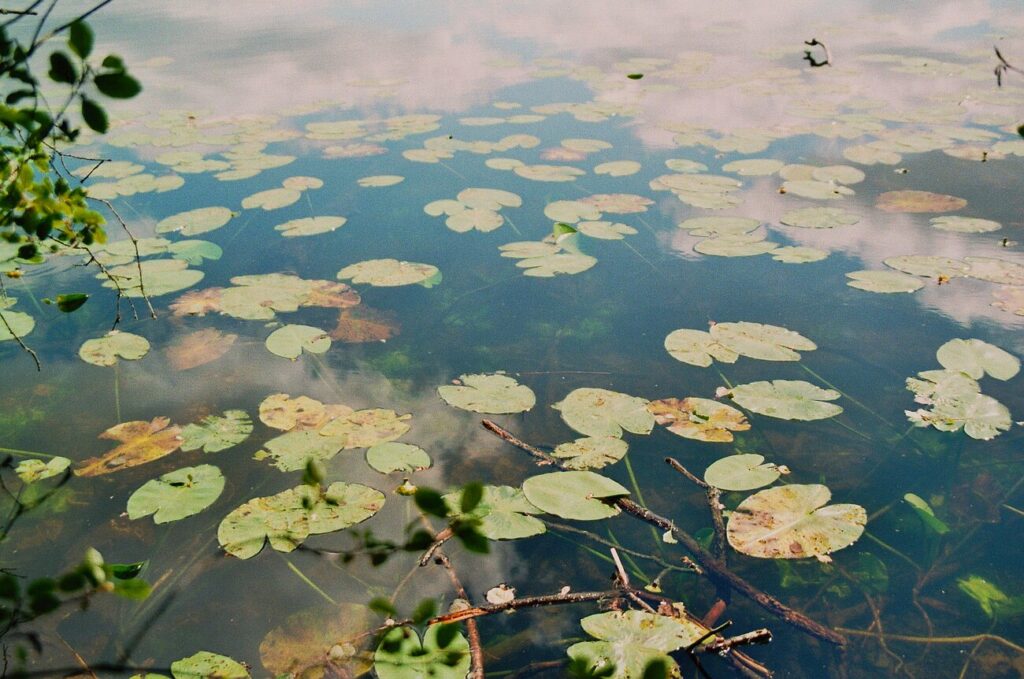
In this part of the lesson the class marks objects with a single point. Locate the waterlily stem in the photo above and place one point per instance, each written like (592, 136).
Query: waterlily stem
(639, 495)
(936, 640)
(305, 579)
(117, 392)
(27, 453)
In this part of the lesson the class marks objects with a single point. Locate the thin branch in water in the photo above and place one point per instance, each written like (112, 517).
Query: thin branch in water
(21, 342)
(1002, 67)
(19, 12)
(138, 257)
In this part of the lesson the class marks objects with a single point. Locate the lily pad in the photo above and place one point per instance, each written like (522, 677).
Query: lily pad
(964, 224)
(754, 167)
(207, 665)
(289, 341)
(591, 452)
(217, 432)
(178, 494)
(787, 399)
(796, 254)
(571, 211)
(20, 323)
(309, 226)
(30, 471)
(380, 180)
(794, 522)
(366, 428)
(739, 245)
(195, 222)
(159, 277)
(980, 416)
(286, 519)
(107, 350)
(761, 341)
(932, 385)
(605, 230)
(697, 347)
(504, 513)
(995, 270)
(195, 252)
(494, 393)
(618, 203)
(746, 471)
(701, 419)
(810, 188)
(199, 348)
(283, 412)
(397, 457)
(976, 358)
(600, 412)
(928, 266)
(618, 168)
(390, 273)
(545, 260)
(141, 442)
(313, 642)
(402, 655)
(918, 201)
(819, 218)
(272, 199)
(574, 495)
(291, 451)
(887, 282)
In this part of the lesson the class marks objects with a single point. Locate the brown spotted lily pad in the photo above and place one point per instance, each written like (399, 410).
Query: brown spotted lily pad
(699, 418)
(320, 641)
(363, 324)
(794, 522)
(301, 413)
(141, 442)
(199, 348)
(365, 428)
(197, 302)
(918, 201)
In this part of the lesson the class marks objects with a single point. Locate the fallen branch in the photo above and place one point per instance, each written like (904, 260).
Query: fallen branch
(714, 497)
(1002, 67)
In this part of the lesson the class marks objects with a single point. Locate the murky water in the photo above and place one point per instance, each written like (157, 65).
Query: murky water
(909, 102)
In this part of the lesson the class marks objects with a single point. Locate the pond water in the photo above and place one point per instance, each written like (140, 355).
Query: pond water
(605, 128)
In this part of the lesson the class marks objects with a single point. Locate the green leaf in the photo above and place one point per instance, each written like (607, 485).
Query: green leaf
(136, 590)
(113, 62)
(117, 85)
(591, 452)
(30, 471)
(431, 502)
(924, 510)
(80, 39)
(574, 495)
(397, 457)
(69, 302)
(502, 514)
(178, 494)
(600, 412)
(207, 665)
(61, 69)
(635, 76)
(472, 493)
(741, 472)
(291, 340)
(107, 350)
(976, 358)
(217, 432)
(495, 394)
(402, 655)
(94, 115)
(787, 399)
(291, 451)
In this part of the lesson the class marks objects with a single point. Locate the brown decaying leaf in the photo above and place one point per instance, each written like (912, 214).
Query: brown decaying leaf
(197, 302)
(141, 442)
(314, 643)
(332, 295)
(363, 324)
(301, 413)
(918, 201)
(199, 348)
(699, 418)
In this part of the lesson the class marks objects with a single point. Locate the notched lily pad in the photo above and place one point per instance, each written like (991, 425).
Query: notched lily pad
(591, 452)
(600, 412)
(494, 393)
(701, 419)
(289, 341)
(787, 399)
(574, 495)
(107, 350)
(504, 513)
(141, 442)
(365, 428)
(217, 432)
(178, 494)
(746, 471)
(397, 457)
(887, 282)
(918, 201)
(391, 273)
(976, 358)
(402, 655)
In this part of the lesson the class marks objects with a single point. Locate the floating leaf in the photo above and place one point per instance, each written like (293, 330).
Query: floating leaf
(401, 655)
(941, 384)
(195, 252)
(918, 201)
(787, 399)
(883, 281)
(314, 642)
(545, 260)
(199, 348)
(591, 452)
(819, 218)
(754, 167)
(600, 412)
(843, 174)
(30, 471)
(289, 341)
(217, 432)
(380, 180)
(617, 203)
(995, 270)
(293, 450)
(503, 513)
(391, 272)
(964, 224)
(988, 596)
(571, 211)
(289, 517)
(745, 471)
(309, 226)
(981, 417)
(272, 199)
(817, 190)
(197, 302)
(178, 494)
(397, 457)
(491, 393)
(794, 522)
(195, 222)
(573, 495)
(280, 411)
(925, 512)
(976, 358)
(362, 324)
(488, 199)
(105, 351)
(697, 347)
(365, 428)
(798, 255)
(699, 418)
(605, 230)
(631, 641)
(762, 341)
(618, 168)
(714, 227)
(928, 266)
(207, 665)
(20, 323)
(141, 442)
(159, 277)
(740, 245)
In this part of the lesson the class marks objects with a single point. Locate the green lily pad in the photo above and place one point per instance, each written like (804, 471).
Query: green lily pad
(591, 452)
(933, 385)
(503, 511)
(819, 218)
(401, 655)
(380, 180)
(701, 419)
(629, 641)
(481, 219)
(159, 277)
(206, 665)
(291, 451)
(397, 457)
(817, 190)
(194, 252)
(571, 211)
(715, 227)
(928, 266)
(217, 432)
(600, 412)
(843, 174)
(391, 272)
(746, 471)
(976, 358)
(289, 341)
(794, 522)
(754, 167)
(115, 345)
(289, 517)
(964, 224)
(309, 226)
(30, 471)
(762, 341)
(605, 230)
(795, 254)
(178, 494)
(574, 494)
(545, 260)
(697, 347)
(272, 199)
(980, 416)
(488, 199)
(20, 323)
(740, 245)
(367, 428)
(321, 641)
(495, 394)
(195, 222)
(887, 282)
(787, 399)
(618, 168)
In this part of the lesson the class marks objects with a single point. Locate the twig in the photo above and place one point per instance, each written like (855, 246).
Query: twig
(476, 649)
(19, 12)
(21, 342)
(543, 458)
(715, 569)
(814, 42)
(722, 644)
(439, 539)
(1002, 67)
(138, 257)
(714, 496)
(936, 640)
(687, 567)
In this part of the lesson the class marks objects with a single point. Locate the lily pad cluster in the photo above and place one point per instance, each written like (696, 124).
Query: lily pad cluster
(262, 296)
(548, 258)
(726, 342)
